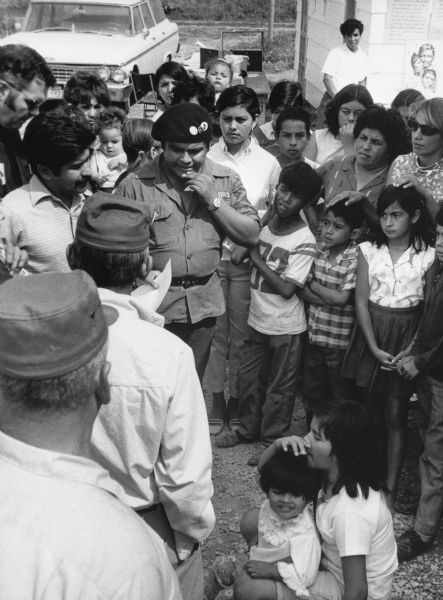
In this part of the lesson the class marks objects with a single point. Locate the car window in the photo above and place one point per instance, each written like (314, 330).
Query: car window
(147, 17)
(138, 21)
(78, 18)
(157, 10)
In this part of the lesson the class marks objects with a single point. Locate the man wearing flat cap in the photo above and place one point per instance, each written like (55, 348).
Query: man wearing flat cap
(192, 205)
(153, 436)
(65, 530)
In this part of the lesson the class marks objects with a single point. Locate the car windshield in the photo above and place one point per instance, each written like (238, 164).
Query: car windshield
(79, 18)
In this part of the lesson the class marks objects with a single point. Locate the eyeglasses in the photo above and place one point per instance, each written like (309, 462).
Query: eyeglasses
(31, 105)
(425, 129)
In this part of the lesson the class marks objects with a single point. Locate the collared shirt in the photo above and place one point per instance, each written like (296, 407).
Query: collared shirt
(431, 178)
(153, 436)
(66, 534)
(191, 240)
(42, 225)
(399, 284)
(345, 66)
(331, 326)
(338, 176)
(258, 170)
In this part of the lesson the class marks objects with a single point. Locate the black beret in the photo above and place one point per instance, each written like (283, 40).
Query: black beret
(186, 123)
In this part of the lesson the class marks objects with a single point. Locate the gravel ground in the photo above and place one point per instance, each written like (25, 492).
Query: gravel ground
(236, 490)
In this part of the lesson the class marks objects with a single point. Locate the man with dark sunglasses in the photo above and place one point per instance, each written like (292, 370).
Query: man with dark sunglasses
(423, 167)
(24, 81)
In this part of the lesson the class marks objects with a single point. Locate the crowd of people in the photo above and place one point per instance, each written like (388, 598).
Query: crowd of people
(304, 258)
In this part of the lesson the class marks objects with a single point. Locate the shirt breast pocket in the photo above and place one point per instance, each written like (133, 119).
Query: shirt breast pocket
(163, 232)
(210, 233)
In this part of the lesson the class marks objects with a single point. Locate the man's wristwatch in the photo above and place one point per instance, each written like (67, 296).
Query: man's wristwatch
(215, 205)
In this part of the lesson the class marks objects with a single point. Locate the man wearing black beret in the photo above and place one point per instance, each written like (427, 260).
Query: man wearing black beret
(192, 205)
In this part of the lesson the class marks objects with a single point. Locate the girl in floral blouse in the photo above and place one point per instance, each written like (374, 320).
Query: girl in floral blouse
(388, 301)
(281, 534)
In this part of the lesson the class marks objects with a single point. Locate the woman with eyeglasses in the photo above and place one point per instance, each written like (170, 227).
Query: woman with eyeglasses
(337, 139)
(422, 168)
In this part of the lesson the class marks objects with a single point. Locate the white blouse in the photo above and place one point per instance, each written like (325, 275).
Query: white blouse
(296, 538)
(398, 285)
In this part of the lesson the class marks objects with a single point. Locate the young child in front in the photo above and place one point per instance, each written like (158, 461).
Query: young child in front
(109, 161)
(424, 363)
(389, 303)
(330, 294)
(292, 133)
(284, 546)
(271, 355)
(219, 73)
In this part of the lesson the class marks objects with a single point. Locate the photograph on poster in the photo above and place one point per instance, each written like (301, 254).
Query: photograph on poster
(423, 67)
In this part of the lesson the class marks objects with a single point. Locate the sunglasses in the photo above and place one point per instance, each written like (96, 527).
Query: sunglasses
(425, 129)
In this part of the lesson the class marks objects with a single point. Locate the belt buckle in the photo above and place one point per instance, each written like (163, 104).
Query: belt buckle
(187, 282)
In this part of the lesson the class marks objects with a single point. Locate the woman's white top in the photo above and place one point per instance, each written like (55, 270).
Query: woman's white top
(327, 146)
(398, 285)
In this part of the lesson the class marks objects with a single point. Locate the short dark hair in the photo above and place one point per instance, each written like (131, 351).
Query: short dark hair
(294, 114)
(195, 87)
(350, 25)
(347, 94)
(351, 431)
(83, 86)
(239, 95)
(56, 138)
(285, 93)
(289, 473)
(351, 214)
(389, 123)
(171, 69)
(301, 180)
(439, 217)
(19, 65)
(107, 269)
(137, 137)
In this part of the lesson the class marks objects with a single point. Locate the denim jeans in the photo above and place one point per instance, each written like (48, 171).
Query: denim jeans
(430, 394)
(199, 337)
(231, 329)
(267, 384)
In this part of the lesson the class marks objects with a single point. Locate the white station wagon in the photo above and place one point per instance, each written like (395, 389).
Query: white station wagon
(109, 37)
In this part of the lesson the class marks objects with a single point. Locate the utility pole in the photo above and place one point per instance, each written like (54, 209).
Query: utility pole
(271, 21)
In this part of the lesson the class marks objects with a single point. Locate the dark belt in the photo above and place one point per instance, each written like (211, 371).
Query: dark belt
(188, 281)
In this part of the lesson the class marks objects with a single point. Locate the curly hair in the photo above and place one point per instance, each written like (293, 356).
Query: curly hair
(83, 86)
(389, 123)
(110, 118)
(350, 25)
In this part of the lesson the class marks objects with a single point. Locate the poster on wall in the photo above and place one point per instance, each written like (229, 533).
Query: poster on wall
(424, 67)
(410, 20)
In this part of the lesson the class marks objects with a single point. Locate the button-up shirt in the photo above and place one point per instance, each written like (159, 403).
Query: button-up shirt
(338, 176)
(66, 534)
(153, 436)
(41, 224)
(192, 240)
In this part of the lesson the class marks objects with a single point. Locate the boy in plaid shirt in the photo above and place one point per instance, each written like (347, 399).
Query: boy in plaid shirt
(329, 292)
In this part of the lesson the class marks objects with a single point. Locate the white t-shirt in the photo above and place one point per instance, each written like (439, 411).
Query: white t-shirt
(328, 146)
(291, 256)
(355, 527)
(345, 66)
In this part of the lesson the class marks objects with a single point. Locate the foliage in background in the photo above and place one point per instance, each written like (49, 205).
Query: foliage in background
(231, 10)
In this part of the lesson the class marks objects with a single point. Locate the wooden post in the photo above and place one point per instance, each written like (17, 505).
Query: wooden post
(271, 21)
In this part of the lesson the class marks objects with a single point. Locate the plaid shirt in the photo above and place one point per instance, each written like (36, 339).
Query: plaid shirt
(331, 326)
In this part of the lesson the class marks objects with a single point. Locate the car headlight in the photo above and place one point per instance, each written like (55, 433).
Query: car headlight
(104, 73)
(118, 75)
